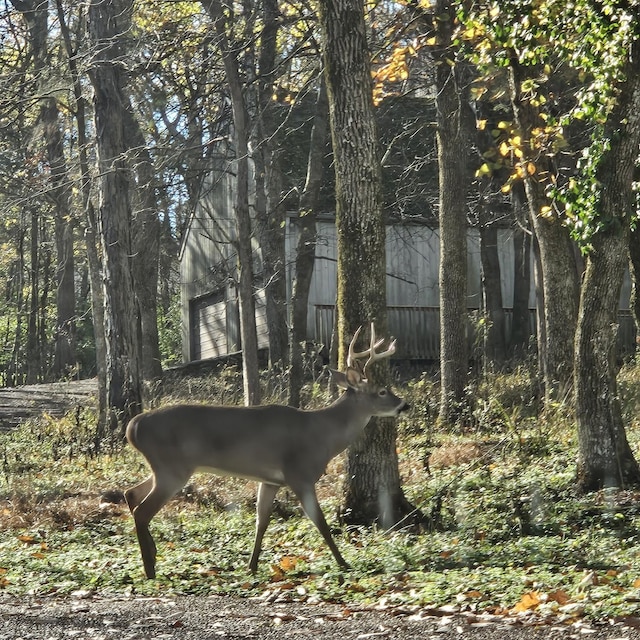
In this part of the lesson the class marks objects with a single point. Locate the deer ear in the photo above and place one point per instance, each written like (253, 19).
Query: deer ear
(349, 380)
(354, 377)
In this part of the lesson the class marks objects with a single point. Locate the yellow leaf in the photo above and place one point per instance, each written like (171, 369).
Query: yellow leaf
(484, 170)
(545, 211)
(288, 562)
(528, 601)
(506, 188)
(518, 153)
(431, 41)
(503, 125)
(481, 124)
(516, 141)
(504, 149)
(531, 168)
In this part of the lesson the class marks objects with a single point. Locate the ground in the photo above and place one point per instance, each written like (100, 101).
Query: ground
(202, 618)
(20, 403)
(90, 616)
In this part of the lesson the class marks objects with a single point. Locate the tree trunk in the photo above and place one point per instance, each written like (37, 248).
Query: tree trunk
(109, 23)
(146, 243)
(272, 222)
(372, 489)
(248, 334)
(559, 270)
(36, 15)
(306, 247)
(634, 271)
(605, 458)
(520, 327)
(91, 224)
(455, 132)
(494, 334)
(33, 351)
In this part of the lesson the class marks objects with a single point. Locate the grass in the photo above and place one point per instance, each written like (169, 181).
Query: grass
(513, 537)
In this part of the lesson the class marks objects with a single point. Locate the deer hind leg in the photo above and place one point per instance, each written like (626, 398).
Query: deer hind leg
(264, 508)
(162, 490)
(137, 494)
(307, 496)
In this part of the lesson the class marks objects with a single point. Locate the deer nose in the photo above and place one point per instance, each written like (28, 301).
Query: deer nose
(404, 407)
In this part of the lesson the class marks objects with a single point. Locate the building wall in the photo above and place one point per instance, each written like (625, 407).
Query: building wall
(210, 307)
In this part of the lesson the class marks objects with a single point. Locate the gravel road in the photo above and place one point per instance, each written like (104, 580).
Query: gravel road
(204, 618)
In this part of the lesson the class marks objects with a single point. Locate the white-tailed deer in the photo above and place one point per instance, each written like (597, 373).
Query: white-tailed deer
(275, 445)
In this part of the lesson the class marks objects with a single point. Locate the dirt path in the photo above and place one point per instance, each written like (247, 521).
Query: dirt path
(18, 404)
(204, 618)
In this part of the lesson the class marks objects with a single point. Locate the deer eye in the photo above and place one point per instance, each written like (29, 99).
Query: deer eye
(382, 393)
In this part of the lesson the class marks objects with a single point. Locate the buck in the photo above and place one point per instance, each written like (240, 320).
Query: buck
(272, 444)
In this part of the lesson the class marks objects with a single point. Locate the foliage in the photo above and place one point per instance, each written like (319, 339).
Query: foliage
(510, 536)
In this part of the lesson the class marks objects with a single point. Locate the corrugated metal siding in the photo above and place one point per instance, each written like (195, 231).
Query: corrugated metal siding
(413, 253)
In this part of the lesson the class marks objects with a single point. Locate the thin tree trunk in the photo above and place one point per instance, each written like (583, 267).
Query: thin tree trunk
(272, 224)
(634, 271)
(557, 259)
(108, 24)
(33, 352)
(306, 247)
(146, 243)
(248, 334)
(90, 221)
(455, 132)
(494, 335)
(520, 327)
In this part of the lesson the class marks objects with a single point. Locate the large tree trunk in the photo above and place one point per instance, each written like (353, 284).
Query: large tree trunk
(557, 258)
(455, 131)
(248, 334)
(605, 458)
(109, 23)
(372, 489)
(306, 247)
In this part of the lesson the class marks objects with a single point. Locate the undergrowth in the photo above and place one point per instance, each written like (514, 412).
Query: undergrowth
(509, 534)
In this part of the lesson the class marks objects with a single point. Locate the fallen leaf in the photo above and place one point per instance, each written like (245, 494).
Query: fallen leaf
(528, 602)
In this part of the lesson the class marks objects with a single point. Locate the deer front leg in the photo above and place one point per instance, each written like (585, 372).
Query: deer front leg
(264, 508)
(307, 496)
(161, 492)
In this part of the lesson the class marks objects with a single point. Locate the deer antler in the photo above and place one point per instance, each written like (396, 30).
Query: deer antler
(354, 356)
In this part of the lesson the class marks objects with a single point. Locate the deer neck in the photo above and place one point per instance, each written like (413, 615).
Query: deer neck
(349, 416)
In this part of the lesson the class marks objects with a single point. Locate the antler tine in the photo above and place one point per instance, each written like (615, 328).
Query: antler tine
(373, 356)
(353, 355)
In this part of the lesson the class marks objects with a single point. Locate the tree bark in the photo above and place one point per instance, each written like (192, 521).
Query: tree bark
(91, 225)
(557, 259)
(520, 327)
(455, 133)
(36, 15)
(108, 24)
(146, 243)
(605, 457)
(272, 222)
(634, 271)
(244, 233)
(372, 490)
(494, 333)
(306, 246)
